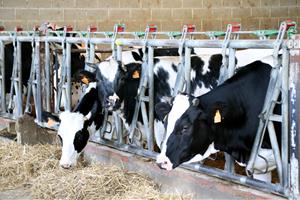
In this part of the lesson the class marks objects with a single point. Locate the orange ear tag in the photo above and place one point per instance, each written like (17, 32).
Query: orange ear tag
(217, 117)
(50, 122)
(85, 80)
(136, 74)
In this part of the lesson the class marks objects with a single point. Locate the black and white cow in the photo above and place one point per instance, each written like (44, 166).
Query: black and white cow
(225, 118)
(204, 76)
(77, 126)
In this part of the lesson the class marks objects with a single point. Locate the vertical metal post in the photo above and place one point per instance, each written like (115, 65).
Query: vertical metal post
(119, 52)
(92, 53)
(68, 86)
(284, 113)
(2, 76)
(187, 68)
(151, 97)
(18, 85)
(38, 106)
(47, 69)
(231, 63)
(294, 117)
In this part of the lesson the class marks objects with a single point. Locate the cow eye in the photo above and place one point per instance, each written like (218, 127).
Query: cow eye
(185, 128)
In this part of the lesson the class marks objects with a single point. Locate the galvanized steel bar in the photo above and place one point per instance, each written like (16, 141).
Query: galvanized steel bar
(2, 77)
(118, 127)
(38, 105)
(31, 78)
(285, 116)
(236, 44)
(151, 96)
(294, 118)
(119, 52)
(92, 52)
(18, 81)
(48, 78)
(231, 63)
(187, 68)
(68, 68)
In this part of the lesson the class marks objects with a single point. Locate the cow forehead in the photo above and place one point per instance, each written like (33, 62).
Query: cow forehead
(180, 105)
(108, 69)
(70, 123)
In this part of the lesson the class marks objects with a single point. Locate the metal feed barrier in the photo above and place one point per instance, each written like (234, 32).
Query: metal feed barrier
(284, 81)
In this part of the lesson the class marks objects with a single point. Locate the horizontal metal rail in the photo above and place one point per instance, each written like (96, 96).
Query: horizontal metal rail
(236, 44)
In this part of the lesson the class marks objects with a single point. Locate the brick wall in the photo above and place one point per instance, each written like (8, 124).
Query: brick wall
(167, 14)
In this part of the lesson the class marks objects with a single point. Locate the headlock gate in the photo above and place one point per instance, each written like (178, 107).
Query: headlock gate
(284, 82)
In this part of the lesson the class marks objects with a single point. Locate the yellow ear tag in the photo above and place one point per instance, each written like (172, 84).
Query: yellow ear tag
(217, 118)
(85, 80)
(136, 74)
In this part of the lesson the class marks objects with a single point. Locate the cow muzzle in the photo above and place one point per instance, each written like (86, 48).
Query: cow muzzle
(165, 165)
(66, 166)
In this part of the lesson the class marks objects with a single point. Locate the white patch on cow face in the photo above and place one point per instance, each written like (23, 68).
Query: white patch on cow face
(109, 69)
(70, 124)
(180, 105)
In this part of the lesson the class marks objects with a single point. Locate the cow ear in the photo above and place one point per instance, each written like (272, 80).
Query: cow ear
(195, 102)
(136, 56)
(51, 119)
(162, 109)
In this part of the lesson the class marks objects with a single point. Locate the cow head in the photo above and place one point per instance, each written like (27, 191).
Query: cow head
(126, 82)
(74, 136)
(187, 133)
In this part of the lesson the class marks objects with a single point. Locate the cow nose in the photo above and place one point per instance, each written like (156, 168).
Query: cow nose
(160, 165)
(65, 166)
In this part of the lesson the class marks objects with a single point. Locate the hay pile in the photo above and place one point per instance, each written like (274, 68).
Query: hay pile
(37, 166)
(18, 164)
(94, 182)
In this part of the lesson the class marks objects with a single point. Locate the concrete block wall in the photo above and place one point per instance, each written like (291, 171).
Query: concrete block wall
(169, 15)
